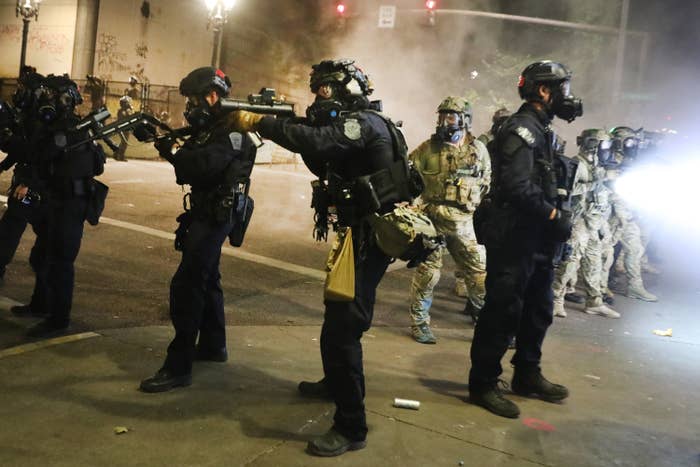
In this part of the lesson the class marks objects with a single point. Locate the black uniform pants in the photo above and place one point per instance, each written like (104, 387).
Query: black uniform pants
(59, 232)
(196, 297)
(341, 350)
(12, 226)
(518, 302)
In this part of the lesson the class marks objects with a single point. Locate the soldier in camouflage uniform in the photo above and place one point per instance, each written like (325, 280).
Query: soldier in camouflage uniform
(457, 172)
(591, 206)
(623, 223)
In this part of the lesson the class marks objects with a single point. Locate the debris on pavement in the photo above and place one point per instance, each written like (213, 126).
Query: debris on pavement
(406, 404)
(667, 333)
(597, 378)
(120, 430)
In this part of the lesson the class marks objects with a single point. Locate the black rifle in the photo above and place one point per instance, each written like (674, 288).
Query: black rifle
(147, 128)
(137, 121)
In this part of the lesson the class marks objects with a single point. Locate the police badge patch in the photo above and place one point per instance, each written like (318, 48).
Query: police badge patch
(525, 134)
(352, 129)
(236, 140)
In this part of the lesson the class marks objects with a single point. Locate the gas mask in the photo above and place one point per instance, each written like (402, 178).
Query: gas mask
(563, 104)
(55, 104)
(324, 111)
(198, 112)
(596, 151)
(450, 128)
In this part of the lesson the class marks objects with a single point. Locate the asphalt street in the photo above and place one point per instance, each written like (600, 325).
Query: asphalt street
(634, 400)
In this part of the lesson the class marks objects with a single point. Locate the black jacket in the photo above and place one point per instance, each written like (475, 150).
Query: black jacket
(214, 157)
(520, 181)
(356, 144)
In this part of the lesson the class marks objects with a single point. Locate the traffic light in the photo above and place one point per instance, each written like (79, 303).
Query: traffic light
(430, 7)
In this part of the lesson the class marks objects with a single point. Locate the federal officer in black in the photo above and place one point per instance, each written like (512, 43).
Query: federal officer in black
(16, 125)
(341, 141)
(523, 232)
(66, 173)
(216, 162)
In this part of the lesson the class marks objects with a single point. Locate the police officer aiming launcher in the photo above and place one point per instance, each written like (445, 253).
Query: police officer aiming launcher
(523, 227)
(360, 158)
(216, 162)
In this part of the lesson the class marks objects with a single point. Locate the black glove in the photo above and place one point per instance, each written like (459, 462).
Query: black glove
(561, 226)
(164, 145)
(144, 132)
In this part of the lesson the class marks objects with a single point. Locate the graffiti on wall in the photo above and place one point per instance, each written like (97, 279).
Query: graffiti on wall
(41, 38)
(109, 58)
(142, 49)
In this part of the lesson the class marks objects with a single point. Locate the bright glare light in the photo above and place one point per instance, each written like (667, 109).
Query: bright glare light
(210, 4)
(430, 4)
(228, 4)
(340, 8)
(666, 193)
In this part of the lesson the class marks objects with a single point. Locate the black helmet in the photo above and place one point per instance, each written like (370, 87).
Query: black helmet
(543, 72)
(202, 80)
(557, 78)
(339, 73)
(29, 82)
(56, 97)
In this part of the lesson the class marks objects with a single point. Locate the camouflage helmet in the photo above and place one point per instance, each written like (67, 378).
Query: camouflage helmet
(458, 105)
(500, 114)
(588, 134)
(339, 73)
(623, 132)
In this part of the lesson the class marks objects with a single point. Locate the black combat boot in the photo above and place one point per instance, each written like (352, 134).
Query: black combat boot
(491, 398)
(316, 389)
(211, 355)
(28, 311)
(333, 444)
(165, 380)
(574, 298)
(47, 329)
(529, 382)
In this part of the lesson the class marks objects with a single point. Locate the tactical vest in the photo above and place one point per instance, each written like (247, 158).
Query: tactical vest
(452, 175)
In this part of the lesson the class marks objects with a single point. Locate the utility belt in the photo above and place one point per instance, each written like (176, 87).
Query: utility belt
(355, 199)
(64, 188)
(216, 205)
(224, 205)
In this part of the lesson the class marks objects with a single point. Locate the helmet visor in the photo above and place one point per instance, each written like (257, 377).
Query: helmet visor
(565, 88)
(449, 119)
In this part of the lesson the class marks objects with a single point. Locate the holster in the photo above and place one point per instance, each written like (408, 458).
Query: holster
(96, 201)
(184, 222)
(243, 214)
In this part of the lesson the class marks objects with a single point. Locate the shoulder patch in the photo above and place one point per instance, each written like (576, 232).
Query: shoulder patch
(526, 135)
(236, 140)
(352, 129)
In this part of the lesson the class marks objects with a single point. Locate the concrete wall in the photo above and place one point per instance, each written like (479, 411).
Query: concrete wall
(50, 41)
(161, 48)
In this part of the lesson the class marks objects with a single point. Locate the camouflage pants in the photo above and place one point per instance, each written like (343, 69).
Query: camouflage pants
(628, 233)
(586, 258)
(470, 259)
(608, 256)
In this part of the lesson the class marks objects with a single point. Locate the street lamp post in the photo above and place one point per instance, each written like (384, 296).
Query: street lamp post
(218, 15)
(28, 9)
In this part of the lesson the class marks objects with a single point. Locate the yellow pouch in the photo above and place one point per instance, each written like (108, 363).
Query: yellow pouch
(340, 267)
